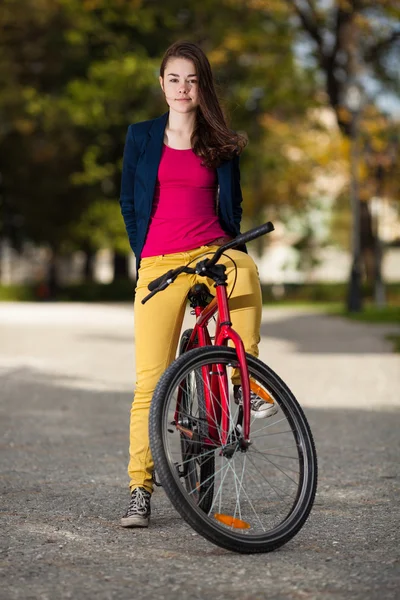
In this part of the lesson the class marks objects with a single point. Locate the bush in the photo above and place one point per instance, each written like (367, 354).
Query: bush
(9, 293)
(323, 292)
(123, 290)
(117, 291)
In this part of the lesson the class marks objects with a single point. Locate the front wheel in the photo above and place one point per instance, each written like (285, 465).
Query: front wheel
(263, 494)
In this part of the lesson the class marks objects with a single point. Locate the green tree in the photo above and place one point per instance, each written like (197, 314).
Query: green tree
(61, 79)
(76, 73)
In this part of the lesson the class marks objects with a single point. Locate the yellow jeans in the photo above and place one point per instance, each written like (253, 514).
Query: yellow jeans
(158, 326)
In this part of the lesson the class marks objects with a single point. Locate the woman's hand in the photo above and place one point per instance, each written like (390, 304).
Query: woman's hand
(220, 241)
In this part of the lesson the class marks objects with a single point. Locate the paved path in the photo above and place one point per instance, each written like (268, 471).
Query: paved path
(65, 386)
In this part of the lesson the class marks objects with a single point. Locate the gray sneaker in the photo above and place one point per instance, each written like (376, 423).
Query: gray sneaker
(138, 513)
(260, 409)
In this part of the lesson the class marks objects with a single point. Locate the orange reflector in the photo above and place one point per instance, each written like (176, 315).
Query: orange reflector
(231, 521)
(261, 393)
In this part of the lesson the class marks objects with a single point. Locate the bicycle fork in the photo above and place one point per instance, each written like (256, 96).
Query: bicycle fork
(218, 379)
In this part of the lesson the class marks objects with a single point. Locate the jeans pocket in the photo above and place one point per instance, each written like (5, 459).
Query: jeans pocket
(147, 270)
(149, 262)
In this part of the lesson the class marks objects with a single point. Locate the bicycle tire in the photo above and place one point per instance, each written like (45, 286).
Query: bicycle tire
(207, 526)
(198, 473)
(183, 342)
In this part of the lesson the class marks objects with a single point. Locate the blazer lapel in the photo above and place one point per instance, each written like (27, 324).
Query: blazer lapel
(153, 154)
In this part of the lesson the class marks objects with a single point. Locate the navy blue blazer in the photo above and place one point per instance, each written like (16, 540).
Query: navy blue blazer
(142, 154)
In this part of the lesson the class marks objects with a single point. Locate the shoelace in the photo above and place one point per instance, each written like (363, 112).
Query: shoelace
(139, 502)
(255, 401)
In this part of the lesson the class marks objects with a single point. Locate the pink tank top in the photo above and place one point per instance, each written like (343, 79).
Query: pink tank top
(183, 215)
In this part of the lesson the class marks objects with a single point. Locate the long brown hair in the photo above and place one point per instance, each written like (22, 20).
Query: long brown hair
(211, 139)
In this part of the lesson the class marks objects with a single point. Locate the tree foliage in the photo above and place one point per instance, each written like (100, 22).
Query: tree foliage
(75, 73)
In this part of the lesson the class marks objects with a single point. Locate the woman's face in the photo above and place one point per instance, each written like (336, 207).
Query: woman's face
(180, 85)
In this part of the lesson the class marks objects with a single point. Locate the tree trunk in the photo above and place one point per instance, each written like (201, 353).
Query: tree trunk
(52, 281)
(368, 243)
(121, 266)
(88, 267)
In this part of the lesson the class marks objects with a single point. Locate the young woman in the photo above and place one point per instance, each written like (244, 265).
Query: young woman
(181, 197)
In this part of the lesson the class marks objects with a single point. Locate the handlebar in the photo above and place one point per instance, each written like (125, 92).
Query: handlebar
(241, 239)
(162, 282)
(156, 282)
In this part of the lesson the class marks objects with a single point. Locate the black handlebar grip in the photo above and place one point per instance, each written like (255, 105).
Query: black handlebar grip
(154, 284)
(147, 298)
(160, 288)
(252, 234)
(241, 239)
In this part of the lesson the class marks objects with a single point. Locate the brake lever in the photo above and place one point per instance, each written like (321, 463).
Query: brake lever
(202, 266)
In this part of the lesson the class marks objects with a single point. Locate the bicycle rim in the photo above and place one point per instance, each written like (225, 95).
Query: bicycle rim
(260, 497)
(196, 468)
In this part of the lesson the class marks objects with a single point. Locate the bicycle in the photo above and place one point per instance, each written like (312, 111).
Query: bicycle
(245, 484)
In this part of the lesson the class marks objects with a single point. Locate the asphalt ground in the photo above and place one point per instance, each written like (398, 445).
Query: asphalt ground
(66, 382)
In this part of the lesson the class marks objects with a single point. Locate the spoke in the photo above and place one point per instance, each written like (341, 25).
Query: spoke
(274, 487)
(272, 424)
(209, 478)
(280, 446)
(272, 433)
(238, 495)
(257, 483)
(275, 465)
(183, 462)
(218, 425)
(210, 416)
(246, 494)
(264, 456)
(279, 455)
(219, 491)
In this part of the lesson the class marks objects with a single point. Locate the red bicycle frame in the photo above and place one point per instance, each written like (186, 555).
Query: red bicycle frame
(216, 382)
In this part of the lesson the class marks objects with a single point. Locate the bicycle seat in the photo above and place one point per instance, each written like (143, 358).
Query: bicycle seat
(199, 294)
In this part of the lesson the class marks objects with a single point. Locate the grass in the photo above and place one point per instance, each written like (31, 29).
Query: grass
(19, 293)
(118, 291)
(326, 306)
(373, 314)
(369, 314)
(388, 315)
(395, 339)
